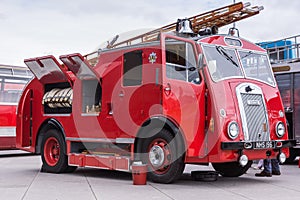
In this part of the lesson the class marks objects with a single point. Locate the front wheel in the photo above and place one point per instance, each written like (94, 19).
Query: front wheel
(231, 169)
(53, 153)
(165, 165)
(293, 155)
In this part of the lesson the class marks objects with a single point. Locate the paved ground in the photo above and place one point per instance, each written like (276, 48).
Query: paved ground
(20, 178)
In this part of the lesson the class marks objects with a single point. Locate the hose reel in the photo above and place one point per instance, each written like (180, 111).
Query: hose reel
(58, 98)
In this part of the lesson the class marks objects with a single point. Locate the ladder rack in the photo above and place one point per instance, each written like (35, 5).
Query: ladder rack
(218, 17)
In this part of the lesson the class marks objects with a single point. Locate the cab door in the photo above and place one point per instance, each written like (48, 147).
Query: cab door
(184, 91)
(137, 95)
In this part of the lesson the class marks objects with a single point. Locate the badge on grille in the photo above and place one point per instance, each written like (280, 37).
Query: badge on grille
(253, 102)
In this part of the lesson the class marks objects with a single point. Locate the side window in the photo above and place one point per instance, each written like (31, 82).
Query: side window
(132, 68)
(91, 96)
(193, 73)
(176, 60)
(181, 62)
(11, 90)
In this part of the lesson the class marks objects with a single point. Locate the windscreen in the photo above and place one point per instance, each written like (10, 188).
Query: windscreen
(256, 66)
(224, 63)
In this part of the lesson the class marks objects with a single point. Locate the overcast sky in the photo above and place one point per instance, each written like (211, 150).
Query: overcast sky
(31, 28)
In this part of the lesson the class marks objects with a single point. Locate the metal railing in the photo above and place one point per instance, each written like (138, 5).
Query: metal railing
(283, 50)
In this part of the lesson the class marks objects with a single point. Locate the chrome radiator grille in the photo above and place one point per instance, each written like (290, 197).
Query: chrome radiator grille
(256, 120)
(253, 112)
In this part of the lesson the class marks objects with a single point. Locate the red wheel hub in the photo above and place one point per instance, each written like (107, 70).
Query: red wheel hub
(160, 156)
(51, 151)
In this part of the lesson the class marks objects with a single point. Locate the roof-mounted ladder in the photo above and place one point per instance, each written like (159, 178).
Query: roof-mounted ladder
(218, 17)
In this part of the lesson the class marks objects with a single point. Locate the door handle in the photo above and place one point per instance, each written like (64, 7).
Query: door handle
(167, 89)
(121, 94)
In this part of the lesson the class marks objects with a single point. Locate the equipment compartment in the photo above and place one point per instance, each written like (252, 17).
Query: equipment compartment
(58, 98)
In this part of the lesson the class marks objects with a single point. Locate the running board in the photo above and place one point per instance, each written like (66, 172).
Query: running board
(120, 163)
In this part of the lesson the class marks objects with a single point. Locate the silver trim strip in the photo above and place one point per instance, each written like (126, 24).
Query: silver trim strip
(56, 115)
(90, 114)
(103, 140)
(125, 140)
(8, 131)
(156, 76)
(2, 103)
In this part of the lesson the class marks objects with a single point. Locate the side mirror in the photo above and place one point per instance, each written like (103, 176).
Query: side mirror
(201, 61)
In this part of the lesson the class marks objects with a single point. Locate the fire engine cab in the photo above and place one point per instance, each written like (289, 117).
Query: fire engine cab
(181, 94)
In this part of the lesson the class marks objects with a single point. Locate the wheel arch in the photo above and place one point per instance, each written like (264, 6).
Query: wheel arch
(155, 124)
(46, 125)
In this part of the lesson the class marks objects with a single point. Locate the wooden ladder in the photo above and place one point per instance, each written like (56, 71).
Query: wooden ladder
(218, 17)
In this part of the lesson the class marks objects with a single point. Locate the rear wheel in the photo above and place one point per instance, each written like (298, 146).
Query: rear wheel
(161, 155)
(231, 169)
(53, 153)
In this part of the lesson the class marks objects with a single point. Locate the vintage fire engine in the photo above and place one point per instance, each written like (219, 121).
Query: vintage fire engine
(181, 94)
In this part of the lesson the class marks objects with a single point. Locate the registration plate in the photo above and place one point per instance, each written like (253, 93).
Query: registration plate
(264, 145)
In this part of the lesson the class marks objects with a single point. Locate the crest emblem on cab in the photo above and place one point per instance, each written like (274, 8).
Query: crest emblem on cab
(152, 58)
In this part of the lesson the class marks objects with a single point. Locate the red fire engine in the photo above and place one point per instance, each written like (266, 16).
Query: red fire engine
(181, 94)
(12, 82)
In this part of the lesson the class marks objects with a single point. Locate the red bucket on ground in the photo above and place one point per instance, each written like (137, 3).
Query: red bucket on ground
(139, 174)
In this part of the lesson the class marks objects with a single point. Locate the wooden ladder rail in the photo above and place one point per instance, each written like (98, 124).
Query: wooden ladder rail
(218, 17)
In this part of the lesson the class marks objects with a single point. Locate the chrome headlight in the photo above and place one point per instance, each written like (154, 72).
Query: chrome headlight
(233, 130)
(280, 129)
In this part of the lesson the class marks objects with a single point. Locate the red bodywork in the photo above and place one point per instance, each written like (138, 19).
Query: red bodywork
(10, 89)
(7, 126)
(191, 109)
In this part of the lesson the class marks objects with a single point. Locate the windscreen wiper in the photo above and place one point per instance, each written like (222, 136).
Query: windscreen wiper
(224, 53)
(248, 54)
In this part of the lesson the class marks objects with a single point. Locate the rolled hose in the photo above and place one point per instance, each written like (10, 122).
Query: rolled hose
(58, 98)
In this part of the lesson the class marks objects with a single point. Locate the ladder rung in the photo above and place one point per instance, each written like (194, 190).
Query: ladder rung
(218, 17)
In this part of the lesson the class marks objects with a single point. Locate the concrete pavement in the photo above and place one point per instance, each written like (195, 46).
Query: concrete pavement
(20, 178)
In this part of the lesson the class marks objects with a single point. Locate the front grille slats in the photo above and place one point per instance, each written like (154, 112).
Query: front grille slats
(255, 116)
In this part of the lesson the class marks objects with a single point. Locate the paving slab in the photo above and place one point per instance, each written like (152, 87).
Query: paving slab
(20, 178)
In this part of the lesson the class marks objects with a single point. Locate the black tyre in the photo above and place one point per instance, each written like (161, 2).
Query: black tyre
(231, 169)
(165, 165)
(53, 153)
(292, 158)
